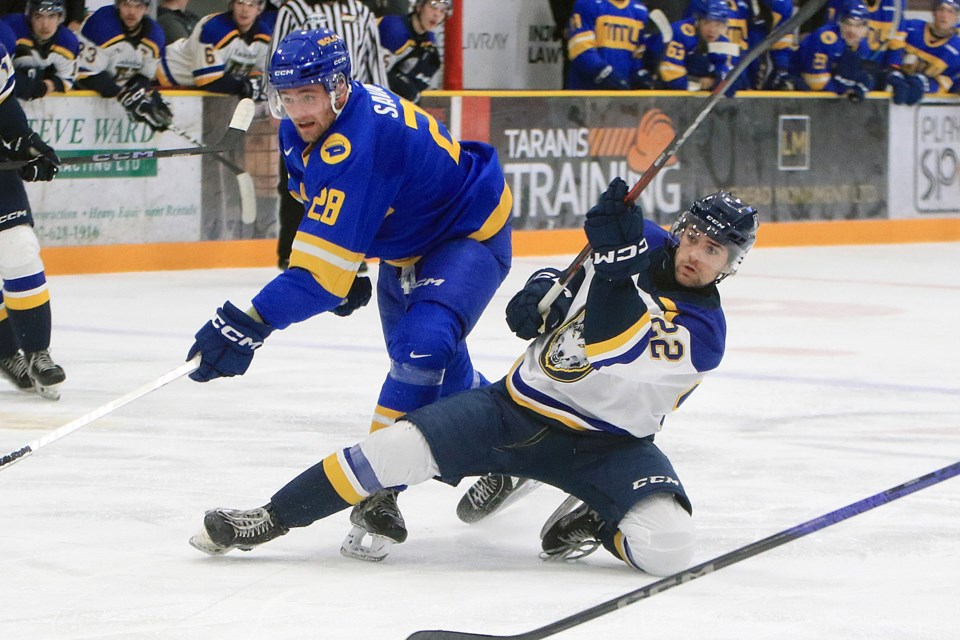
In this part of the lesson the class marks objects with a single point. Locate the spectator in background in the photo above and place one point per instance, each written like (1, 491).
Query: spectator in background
(355, 24)
(884, 32)
(226, 53)
(561, 10)
(699, 54)
(606, 46)
(833, 57)
(45, 57)
(930, 59)
(120, 50)
(413, 59)
(176, 20)
(25, 319)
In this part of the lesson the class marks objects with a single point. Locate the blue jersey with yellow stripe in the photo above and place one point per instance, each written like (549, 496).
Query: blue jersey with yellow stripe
(938, 58)
(386, 180)
(686, 44)
(602, 33)
(816, 56)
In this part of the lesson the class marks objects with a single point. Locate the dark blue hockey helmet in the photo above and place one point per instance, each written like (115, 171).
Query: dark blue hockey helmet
(44, 6)
(952, 4)
(726, 220)
(852, 10)
(713, 10)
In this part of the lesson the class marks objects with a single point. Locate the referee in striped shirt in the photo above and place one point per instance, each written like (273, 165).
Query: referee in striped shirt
(356, 24)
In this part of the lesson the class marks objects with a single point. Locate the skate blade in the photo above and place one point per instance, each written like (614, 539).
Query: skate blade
(568, 505)
(51, 392)
(375, 551)
(202, 542)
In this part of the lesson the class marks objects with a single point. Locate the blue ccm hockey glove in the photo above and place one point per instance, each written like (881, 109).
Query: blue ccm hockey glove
(523, 318)
(615, 232)
(917, 86)
(226, 343)
(898, 87)
(359, 295)
(849, 73)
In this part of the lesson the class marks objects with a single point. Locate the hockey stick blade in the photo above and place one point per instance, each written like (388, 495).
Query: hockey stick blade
(711, 566)
(716, 94)
(242, 117)
(21, 453)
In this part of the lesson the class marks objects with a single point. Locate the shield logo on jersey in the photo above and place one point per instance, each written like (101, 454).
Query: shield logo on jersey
(564, 358)
(335, 149)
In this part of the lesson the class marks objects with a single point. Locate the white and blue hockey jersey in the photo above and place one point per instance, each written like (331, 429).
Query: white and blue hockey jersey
(106, 47)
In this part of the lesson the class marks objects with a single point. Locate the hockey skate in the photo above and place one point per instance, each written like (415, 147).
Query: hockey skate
(14, 369)
(490, 494)
(45, 374)
(571, 534)
(227, 529)
(379, 517)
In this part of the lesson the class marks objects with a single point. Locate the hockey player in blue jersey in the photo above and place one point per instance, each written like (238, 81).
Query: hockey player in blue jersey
(414, 58)
(378, 177)
(25, 318)
(45, 57)
(120, 50)
(699, 54)
(606, 45)
(833, 57)
(638, 328)
(929, 61)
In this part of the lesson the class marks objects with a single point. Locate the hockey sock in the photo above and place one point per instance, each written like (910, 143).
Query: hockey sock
(27, 301)
(8, 345)
(312, 494)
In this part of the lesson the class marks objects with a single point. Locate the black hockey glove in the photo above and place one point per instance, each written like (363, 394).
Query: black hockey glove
(917, 86)
(44, 161)
(610, 79)
(254, 88)
(780, 81)
(30, 84)
(524, 318)
(700, 66)
(144, 104)
(641, 80)
(226, 344)
(615, 232)
(359, 295)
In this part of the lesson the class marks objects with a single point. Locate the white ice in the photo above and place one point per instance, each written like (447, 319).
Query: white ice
(841, 380)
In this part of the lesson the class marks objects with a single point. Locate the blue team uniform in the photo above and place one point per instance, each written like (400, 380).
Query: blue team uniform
(936, 58)
(679, 53)
(59, 52)
(602, 33)
(885, 34)
(814, 59)
(388, 181)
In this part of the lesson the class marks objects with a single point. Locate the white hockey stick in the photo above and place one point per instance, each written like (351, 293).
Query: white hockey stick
(110, 407)
(248, 194)
(242, 117)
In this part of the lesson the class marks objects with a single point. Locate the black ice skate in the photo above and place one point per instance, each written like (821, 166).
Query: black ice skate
(45, 374)
(490, 494)
(227, 529)
(571, 535)
(14, 369)
(379, 517)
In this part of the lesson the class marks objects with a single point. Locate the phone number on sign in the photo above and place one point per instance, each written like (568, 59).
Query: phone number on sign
(69, 232)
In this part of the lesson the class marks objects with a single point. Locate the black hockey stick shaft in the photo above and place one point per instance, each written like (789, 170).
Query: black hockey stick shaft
(242, 117)
(236, 169)
(716, 95)
(711, 566)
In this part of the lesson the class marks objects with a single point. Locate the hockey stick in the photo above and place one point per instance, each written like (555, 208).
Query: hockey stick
(242, 117)
(110, 407)
(248, 194)
(716, 94)
(710, 566)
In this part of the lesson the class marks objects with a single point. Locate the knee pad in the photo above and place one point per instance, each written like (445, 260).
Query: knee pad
(19, 253)
(425, 339)
(658, 535)
(396, 455)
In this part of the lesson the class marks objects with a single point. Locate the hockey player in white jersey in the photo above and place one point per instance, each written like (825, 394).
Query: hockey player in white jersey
(632, 337)
(226, 53)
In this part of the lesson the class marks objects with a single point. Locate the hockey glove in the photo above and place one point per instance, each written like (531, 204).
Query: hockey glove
(226, 344)
(641, 80)
(144, 104)
(359, 295)
(253, 88)
(699, 66)
(524, 318)
(898, 87)
(44, 161)
(615, 232)
(780, 81)
(917, 85)
(610, 79)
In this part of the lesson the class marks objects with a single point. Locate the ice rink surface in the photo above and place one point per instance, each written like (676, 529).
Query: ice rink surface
(841, 379)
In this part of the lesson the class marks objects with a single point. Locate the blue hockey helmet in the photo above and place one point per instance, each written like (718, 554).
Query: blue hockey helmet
(315, 56)
(725, 219)
(852, 10)
(713, 10)
(44, 6)
(952, 4)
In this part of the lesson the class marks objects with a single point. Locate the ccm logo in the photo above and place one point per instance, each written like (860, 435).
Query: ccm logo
(622, 254)
(233, 335)
(283, 72)
(642, 482)
(22, 213)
